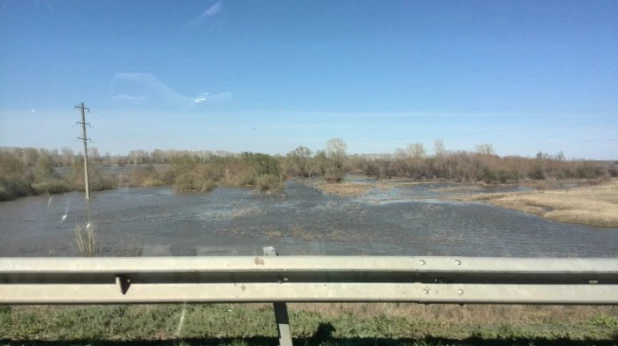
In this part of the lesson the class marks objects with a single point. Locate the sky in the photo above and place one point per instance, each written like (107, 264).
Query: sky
(268, 76)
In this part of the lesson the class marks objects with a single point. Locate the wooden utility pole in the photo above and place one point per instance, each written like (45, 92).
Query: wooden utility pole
(85, 139)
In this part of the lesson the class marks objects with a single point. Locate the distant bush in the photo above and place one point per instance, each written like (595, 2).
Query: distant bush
(144, 176)
(14, 186)
(581, 170)
(268, 182)
(486, 175)
(51, 186)
(208, 185)
(505, 177)
(168, 176)
(240, 179)
(334, 175)
(537, 172)
(152, 182)
(96, 181)
(44, 168)
(482, 166)
(198, 179)
(15, 181)
(185, 182)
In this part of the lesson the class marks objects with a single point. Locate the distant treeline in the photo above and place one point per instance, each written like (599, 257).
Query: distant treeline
(29, 171)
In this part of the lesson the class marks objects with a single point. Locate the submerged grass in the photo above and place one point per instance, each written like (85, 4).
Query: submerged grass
(313, 323)
(590, 205)
(350, 189)
(85, 239)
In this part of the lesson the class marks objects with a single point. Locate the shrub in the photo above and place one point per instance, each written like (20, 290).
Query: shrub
(208, 186)
(185, 182)
(240, 179)
(372, 169)
(14, 186)
(139, 177)
(96, 181)
(99, 183)
(192, 181)
(169, 176)
(263, 164)
(51, 186)
(85, 239)
(334, 175)
(44, 168)
(193, 177)
(505, 176)
(586, 170)
(152, 182)
(14, 178)
(486, 175)
(537, 172)
(268, 182)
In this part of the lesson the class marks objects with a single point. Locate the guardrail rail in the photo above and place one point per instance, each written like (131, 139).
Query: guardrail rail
(270, 278)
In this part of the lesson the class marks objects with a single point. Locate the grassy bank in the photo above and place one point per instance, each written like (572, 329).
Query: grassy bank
(311, 323)
(588, 205)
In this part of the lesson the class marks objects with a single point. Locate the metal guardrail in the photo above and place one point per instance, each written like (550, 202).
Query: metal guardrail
(461, 280)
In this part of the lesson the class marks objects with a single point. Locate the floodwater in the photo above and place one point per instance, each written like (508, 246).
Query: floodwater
(406, 220)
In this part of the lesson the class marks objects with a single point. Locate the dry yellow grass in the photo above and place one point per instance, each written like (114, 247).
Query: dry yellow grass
(471, 188)
(350, 189)
(590, 205)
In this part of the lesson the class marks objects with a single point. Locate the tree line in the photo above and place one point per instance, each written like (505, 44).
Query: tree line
(30, 171)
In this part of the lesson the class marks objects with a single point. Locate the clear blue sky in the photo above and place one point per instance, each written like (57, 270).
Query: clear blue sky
(523, 75)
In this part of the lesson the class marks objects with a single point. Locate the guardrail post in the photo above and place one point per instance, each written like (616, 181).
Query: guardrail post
(281, 311)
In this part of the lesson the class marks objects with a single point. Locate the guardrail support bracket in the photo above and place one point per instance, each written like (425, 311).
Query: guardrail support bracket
(281, 311)
(123, 283)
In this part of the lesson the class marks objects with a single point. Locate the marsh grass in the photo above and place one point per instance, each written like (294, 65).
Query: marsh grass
(595, 205)
(85, 239)
(350, 189)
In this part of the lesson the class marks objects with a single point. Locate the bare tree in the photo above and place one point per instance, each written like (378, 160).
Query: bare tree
(439, 148)
(108, 159)
(29, 156)
(300, 157)
(336, 150)
(303, 152)
(416, 150)
(560, 156)
(93, 153)
(485, 149)
(401, 154)
(68, 157)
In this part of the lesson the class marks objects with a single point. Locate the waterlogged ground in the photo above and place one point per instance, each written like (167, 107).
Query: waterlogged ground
(403, 220)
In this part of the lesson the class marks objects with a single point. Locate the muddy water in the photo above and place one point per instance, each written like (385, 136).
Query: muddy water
(407, 220)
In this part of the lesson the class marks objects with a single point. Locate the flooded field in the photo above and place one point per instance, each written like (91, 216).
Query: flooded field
(403, 220)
